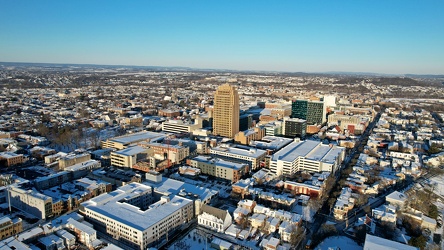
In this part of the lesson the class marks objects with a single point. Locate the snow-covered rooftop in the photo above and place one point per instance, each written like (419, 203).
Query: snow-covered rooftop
(137, 137)
(376, 243)
(108, 205)
(312, 150)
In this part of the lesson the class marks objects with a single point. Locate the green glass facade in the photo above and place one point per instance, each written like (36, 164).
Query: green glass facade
(313, 112)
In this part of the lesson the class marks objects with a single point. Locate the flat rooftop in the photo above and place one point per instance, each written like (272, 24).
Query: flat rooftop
(239, 150)
(73, 156)
(108, 205)
(165, 145)
(8, 155)
(219, 162)
(377, 243)
(311, 150)
(82, 165)
(137, 137)
(170, 186)
(271, 142)
(32, 193)
(130, 151)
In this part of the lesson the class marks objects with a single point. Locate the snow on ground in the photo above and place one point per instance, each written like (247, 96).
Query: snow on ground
(440, 206)
(401, 236)
(438, 181)
(192, 240)
(340, 242)
(297, 209)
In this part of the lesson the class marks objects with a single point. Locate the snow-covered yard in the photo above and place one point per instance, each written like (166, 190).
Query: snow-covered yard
(191, 241)
(339, 242)
(438, 183)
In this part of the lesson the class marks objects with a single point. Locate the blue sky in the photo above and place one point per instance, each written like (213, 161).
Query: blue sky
(312, 36)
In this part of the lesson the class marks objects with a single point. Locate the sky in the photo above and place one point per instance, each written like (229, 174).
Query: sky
(380, 36)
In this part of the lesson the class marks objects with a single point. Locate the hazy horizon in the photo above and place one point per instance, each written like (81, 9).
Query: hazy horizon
(395, 37)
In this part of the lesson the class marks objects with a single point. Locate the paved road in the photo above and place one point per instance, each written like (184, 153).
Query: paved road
(321, 218)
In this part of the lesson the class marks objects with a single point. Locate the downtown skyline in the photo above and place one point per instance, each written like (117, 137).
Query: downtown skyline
(396, 37)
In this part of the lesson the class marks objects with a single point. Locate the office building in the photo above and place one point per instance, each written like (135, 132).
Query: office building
(82, 169)
(125, 141)
(252, 134)
(178, 126)
(219, 168)
(31, 202)
(330, 100)
(173, 153)
(226, 111)
(355, 124)
(294, 127)
(132, 215)
(241, 154)
(311, 111)
(195, 146)
(128, 157)
(311, 156)
(271, 143)
(52, 180)
(72, 159)
(273, 128)
(245, 121)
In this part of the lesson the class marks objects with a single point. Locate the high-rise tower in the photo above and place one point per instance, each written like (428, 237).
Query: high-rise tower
(312, 111)
(226, 111)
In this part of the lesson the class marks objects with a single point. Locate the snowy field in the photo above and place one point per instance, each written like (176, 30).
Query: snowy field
(339, 242)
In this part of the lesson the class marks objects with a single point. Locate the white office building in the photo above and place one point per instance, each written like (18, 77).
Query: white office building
(31, 202)
(240, 154)
(178, 126)
(130, 216)
(311, 156)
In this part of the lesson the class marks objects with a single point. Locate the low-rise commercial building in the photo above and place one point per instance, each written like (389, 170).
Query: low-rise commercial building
(31, 201)
(178, 126)
(8, 159)
(246, 136)
(173, 153)
(302, 188)
(122, 142)
(73, 159)
(353, 123)
(52, 242)
(9, 227)
(241, 154)
(80, 170)
(128, 157)
(219, 168)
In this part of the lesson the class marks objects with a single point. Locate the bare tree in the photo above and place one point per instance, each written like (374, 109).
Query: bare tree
(297, 234)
